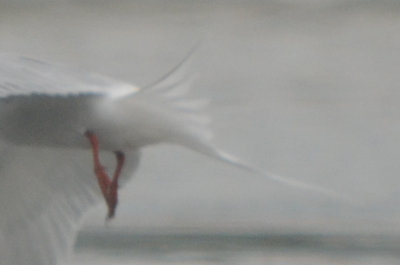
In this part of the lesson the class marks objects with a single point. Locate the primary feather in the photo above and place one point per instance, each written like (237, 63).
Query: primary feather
(46, 178)
(24, 76)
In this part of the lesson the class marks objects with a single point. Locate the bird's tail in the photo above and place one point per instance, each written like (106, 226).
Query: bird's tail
(225, 157)
(191, 128)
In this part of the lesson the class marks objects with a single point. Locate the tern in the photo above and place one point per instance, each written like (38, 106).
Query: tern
(70, 138)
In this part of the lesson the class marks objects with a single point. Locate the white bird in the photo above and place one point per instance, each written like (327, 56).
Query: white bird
(56, 124)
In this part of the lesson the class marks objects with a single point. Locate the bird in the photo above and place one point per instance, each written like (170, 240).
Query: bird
(70, 139)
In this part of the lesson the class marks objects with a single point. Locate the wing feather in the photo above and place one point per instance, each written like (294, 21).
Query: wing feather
(23, 76)
(43, 195)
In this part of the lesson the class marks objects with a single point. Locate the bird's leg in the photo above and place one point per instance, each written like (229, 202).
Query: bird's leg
(108, 187)
(113, 188)
(102, 177)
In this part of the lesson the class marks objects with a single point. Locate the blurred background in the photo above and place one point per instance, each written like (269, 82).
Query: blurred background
(306, 89)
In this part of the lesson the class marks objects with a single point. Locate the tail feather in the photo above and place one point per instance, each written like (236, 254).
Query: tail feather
(227, 158)
(194, 133)
(175, 76)
(171, 94)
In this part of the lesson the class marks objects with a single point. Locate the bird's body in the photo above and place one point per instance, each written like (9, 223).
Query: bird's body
(46, 167)
(47, 181)
(46, 119)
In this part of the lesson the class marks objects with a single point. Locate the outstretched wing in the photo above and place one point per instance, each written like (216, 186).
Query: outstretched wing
(43, 196)
(23, 76)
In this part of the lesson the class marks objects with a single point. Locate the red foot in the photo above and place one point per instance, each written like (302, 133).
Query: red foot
(108, 187)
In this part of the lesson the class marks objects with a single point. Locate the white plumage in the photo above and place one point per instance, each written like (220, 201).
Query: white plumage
(46, 174)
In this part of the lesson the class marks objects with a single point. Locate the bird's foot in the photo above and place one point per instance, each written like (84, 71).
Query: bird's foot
(108, 186)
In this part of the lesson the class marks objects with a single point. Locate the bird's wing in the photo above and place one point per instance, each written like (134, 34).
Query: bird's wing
(23, 76)
(43, 195)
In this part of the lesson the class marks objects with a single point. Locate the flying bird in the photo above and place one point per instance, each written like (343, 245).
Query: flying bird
(69, 139)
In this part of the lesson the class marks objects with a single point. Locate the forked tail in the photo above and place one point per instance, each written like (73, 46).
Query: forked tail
(225, 157)
(190, 128)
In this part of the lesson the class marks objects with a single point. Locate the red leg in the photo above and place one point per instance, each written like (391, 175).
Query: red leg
(102, 177)
(113, 188)
(109, 188)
